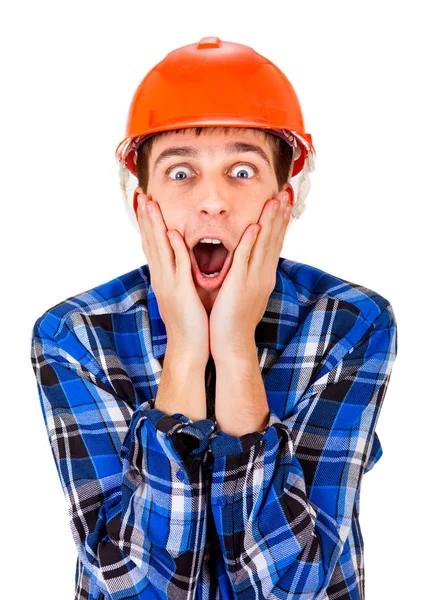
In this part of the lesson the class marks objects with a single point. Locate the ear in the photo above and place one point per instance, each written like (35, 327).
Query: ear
(287, 187)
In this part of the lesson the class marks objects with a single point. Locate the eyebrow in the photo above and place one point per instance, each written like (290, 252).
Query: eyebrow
(230, 148)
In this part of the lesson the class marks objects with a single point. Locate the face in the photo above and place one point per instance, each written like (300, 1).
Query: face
(211, 190)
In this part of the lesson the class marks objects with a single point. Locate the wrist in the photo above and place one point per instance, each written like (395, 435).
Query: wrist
(182, 387)
(177, 354)
(245, 354)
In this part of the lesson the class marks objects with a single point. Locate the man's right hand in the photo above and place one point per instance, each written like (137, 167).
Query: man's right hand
(186, 320)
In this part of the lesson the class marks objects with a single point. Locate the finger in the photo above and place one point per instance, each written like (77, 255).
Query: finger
(182, 258)
(244, 248)
(142, 218)
(159, 246)
(267, 244)
(280, 230)
(175, 249)
(277, 234)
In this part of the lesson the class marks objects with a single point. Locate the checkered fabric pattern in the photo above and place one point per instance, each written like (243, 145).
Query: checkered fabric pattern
(164, 507)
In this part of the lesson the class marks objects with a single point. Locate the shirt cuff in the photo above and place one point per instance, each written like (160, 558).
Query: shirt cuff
(223, 444)
(170, 424)
(191, 439)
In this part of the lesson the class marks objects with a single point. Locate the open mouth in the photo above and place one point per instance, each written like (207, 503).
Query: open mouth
(210, 257)
(211, 263)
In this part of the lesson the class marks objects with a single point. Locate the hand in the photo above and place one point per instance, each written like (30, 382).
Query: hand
(243, 296)
(186, 320)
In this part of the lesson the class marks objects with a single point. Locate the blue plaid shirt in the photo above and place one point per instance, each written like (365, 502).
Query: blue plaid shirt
(164, 507)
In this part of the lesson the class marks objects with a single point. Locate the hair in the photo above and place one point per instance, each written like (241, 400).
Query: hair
(282, 152)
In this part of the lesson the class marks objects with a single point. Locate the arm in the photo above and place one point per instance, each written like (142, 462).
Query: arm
(282, 499)
(240, 379)
(178, 378)
(136, 497)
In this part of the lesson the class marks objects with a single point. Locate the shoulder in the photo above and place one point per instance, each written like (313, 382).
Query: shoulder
(315, 287)
(337, 319)
(97, 305)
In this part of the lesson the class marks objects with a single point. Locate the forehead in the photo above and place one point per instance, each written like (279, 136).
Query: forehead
(187, 143)
(213, 140)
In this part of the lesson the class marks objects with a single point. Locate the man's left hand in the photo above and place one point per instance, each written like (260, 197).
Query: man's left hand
(243, 296)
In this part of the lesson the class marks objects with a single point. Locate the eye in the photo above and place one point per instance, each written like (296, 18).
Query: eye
(178, 170)
(179, 173)
(244, 170)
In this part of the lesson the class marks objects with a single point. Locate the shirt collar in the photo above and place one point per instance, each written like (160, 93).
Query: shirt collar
(276, 328)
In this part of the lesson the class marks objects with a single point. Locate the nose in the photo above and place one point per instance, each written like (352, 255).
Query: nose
(213, 205)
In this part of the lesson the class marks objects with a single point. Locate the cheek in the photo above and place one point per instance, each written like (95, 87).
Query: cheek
(173, 218)
(251, 214)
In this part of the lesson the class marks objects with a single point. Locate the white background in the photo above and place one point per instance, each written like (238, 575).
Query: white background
(68, 73)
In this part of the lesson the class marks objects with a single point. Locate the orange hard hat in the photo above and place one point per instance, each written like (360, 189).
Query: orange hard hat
(216, 83)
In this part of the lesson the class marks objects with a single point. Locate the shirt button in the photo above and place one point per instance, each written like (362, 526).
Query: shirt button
(180, 474)
(221, 501)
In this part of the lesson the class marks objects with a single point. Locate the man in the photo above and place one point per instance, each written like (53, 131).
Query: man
(177, 489)
(205, 198)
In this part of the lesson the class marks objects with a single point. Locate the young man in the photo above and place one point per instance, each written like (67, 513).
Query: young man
(249, 489)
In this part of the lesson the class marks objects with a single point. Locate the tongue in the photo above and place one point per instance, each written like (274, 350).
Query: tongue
(210, 257)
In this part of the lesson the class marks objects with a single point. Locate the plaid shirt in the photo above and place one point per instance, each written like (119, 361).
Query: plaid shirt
(164, 507)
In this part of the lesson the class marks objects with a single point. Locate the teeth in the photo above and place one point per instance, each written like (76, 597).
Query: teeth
(211, 274)
(210, 241)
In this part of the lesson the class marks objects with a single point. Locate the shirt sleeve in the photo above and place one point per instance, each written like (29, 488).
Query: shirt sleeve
(282, 499)
(133, 477)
